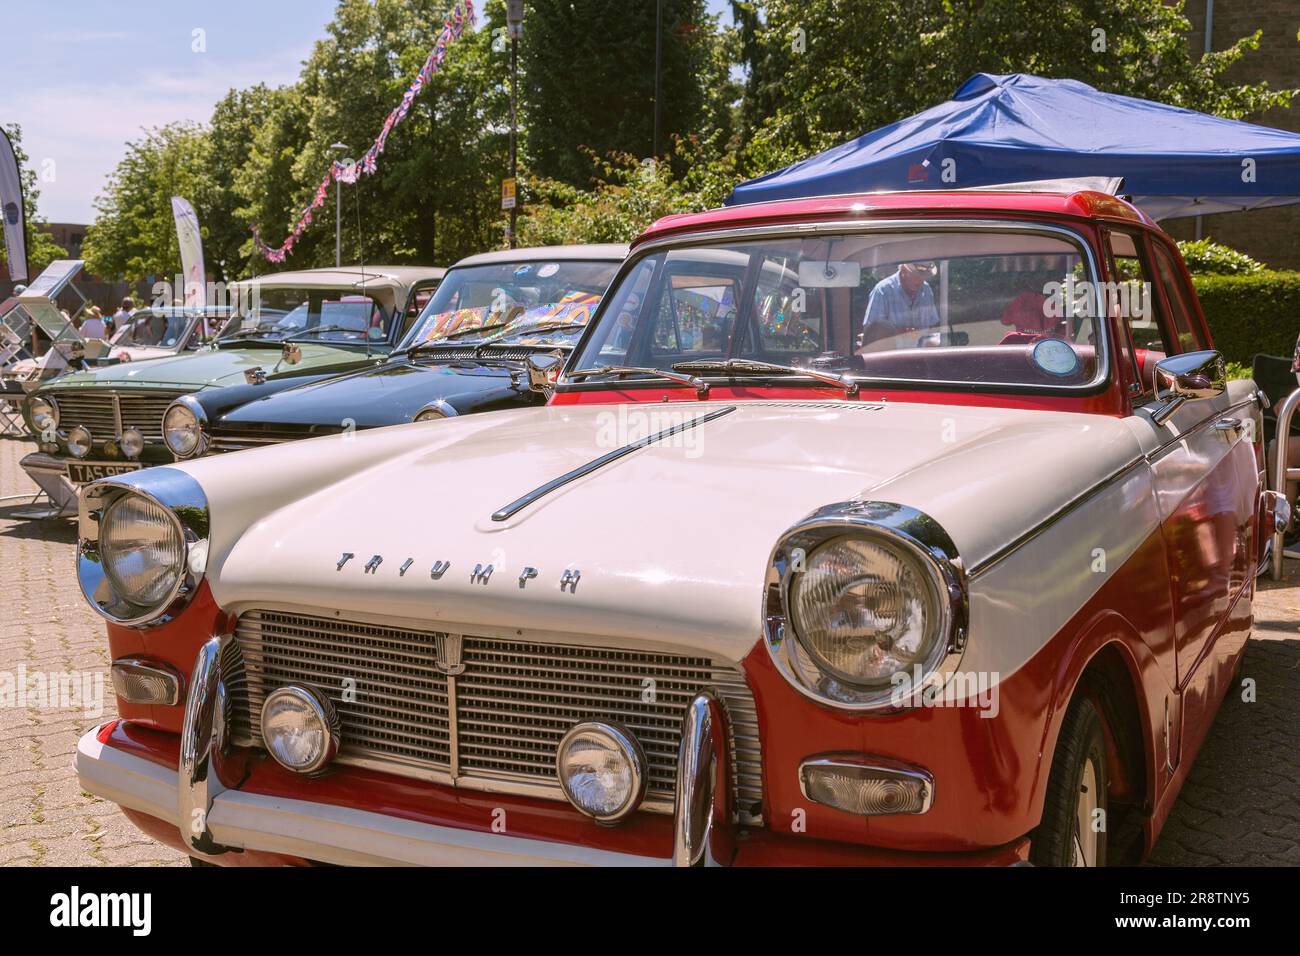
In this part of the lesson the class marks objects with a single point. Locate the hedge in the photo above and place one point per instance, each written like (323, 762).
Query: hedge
(1252, 313)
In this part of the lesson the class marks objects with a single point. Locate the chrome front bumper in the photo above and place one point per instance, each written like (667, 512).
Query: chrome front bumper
(213, 819)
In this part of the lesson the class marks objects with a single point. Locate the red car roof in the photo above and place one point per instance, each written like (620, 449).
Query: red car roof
(1077, 205)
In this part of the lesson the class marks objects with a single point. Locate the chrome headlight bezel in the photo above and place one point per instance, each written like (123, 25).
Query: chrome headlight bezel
(901, 527)
(321, 710)
(37, 429)
(79, 440)
(179, 495)
(191, 405)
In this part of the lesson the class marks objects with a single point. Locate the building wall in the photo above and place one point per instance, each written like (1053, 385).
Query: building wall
(1270, 235)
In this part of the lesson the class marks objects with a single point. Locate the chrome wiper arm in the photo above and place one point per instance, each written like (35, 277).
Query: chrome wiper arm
(689, 381)
(756, 365)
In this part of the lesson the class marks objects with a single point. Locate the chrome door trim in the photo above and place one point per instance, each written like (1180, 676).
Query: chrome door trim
(1148, 458)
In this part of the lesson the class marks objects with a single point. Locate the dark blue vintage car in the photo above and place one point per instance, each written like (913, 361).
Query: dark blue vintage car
(466, 352)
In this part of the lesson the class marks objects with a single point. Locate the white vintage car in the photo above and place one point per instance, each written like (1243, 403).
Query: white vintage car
(858, 530)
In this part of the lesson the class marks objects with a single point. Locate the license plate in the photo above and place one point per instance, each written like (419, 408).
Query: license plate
(80, 472)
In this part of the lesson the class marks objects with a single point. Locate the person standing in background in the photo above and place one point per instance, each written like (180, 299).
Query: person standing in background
(92, 327)
(122, 314)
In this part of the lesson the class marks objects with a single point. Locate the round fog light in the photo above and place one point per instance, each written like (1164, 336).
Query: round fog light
(602, 770)
(300, 729)
(132, 443)
(79, 442)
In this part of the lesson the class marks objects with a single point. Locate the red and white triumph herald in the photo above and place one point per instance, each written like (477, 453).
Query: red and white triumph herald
(891, 528)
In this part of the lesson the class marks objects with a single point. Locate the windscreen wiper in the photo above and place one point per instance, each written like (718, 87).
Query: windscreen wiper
(316, 329)
(689, 381)
(755, 365)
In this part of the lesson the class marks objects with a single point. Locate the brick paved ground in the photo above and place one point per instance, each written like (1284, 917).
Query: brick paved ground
(1241, 804)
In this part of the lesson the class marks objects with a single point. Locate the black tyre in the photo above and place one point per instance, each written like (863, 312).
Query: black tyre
(1076, 810)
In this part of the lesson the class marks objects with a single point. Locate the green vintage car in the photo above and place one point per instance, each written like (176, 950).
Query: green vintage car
(285, 329)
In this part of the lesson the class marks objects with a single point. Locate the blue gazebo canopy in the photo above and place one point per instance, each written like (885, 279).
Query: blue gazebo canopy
(1017, 127)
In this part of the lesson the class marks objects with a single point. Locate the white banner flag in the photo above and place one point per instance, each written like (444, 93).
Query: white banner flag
(191, 242)
(11, 211)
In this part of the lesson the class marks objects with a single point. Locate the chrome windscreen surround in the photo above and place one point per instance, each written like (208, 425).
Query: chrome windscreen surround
(200, 416)
(182, 497)
(913, 530)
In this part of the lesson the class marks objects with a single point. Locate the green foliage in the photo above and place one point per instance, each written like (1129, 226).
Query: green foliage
(1251, 313)
(628, 195)
(134, 235)
(41, 247)
(1207, 257)
(588, 80)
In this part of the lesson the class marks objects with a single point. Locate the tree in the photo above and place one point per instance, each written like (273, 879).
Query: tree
(824, 71)
(629, 195)
(434, 196)
(237, 121)
(134, 234)
(41, 247)
(589, 81)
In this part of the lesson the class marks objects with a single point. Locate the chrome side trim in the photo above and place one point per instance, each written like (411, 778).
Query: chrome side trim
(703, 789)
(1168, 445)
(203, 737)
(906, 527)
(519, 504)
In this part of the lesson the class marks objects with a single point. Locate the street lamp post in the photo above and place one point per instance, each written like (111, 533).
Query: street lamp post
(515, 29)
(338, 212)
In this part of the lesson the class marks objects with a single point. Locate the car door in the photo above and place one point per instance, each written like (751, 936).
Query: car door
(1204, 470)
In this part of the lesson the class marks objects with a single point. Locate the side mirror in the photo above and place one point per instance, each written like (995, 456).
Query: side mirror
(542, 367)
(1187, 377)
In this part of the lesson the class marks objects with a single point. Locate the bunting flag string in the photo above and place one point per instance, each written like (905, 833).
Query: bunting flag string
(368, 164)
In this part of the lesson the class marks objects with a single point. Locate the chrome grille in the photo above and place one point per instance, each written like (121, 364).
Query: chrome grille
(238, 439)
(497, 724)
(99, 411)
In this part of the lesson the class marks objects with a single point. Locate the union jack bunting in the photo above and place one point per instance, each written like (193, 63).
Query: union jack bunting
(368, 165)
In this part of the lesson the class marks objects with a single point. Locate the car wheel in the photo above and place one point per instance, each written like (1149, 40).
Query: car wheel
(1072, 832)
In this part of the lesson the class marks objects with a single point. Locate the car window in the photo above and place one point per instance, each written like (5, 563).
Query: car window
(523, 302)
(1131, 297)
(995, 307)
(1171, 281)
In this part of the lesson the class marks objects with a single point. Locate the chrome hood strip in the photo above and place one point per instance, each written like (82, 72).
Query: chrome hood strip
(519, 504)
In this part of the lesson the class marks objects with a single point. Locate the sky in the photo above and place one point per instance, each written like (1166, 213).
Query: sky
(84, 82)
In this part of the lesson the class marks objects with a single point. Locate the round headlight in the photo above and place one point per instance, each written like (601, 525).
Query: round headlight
(79, 442)
(44, 414)
(864, 609)
(182, 430)
(300, 729)
(132, 443)
(602, 771)
(143, 550)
